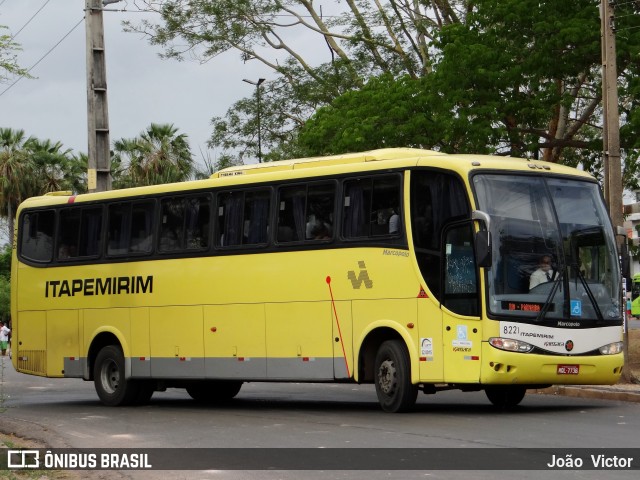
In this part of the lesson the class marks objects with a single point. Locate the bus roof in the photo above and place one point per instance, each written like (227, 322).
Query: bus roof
(454, 161)
(326, 166)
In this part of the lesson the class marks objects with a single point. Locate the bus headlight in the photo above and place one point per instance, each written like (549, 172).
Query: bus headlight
(510, 345)
(611, 349)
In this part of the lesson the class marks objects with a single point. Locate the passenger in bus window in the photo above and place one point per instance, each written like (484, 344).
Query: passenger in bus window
(543, 274)
(394, 221)
(320, 232)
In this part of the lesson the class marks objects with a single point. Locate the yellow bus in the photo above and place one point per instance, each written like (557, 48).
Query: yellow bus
(406, 268)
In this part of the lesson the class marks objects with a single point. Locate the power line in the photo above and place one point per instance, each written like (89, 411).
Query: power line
(28, 21)
(43, 57)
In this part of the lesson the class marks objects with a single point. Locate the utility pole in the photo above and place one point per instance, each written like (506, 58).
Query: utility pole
(611, 121)
(99, 171)
(611, 136)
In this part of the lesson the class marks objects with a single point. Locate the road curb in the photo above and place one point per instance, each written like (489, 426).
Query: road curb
(602, 393)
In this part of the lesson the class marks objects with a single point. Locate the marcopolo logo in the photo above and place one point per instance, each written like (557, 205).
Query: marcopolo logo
(569, 345)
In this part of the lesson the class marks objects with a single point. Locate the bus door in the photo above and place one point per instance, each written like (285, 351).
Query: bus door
(460, 306)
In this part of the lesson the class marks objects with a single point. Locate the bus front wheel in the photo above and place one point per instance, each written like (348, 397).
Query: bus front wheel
(505, 396)
(110, 382)
(395, 391)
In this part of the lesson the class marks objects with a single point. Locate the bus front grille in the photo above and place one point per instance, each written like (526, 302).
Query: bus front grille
(32, 361)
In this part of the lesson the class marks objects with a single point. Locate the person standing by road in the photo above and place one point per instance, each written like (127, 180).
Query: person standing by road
(4, 338)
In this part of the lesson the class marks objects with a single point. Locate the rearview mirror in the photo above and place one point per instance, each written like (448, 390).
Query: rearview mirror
(483, 248)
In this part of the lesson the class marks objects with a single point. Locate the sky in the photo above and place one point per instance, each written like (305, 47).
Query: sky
(141, 87)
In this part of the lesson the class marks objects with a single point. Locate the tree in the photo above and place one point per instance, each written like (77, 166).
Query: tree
(510, 77)
(159, 155)
(5, 277)
(30, 167)
(362, 40)
(8, 57)
(55, 168)
(16, 173)
(386, 112)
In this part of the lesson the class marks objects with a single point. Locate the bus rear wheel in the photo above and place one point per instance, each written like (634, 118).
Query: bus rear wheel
(214, 391)
(395, 391)
(110, 382)
(505, 396)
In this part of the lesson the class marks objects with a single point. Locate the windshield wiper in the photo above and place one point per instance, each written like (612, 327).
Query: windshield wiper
(552, 293)
(587, 289)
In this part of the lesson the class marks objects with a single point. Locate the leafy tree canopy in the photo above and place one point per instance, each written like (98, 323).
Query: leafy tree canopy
(8, 57)
(512, 77)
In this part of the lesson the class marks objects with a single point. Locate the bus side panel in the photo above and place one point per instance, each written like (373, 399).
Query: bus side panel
(397, 314)
(177, 349)
(299, 341)
(234, 341)
(430, 328)
(63, 345)
(462, 348)
(113, 320)
(29, 343)
(140, 348)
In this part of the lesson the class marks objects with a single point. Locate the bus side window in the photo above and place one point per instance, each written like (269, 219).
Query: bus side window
(69, 223)
(37, 236)
(243, 218)
(256, 217)
(90, 232)
(79, 232)
(291, 214)
(306, 213)
(197, 221)
(371, 207)
(171, 224)
(118, 228)
(319, 215)
(130, 228)
(142, 227)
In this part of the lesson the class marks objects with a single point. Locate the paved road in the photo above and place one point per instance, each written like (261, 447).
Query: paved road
(66, 412)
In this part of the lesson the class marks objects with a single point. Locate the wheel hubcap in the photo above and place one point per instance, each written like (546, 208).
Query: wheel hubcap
(110, 377)
(387, 377)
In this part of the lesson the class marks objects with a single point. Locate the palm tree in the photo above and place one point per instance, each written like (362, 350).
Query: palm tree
(16, 173)
(158, 155)
(56, 168)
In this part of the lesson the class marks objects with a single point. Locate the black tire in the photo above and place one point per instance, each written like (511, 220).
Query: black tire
(505, 396)
(395, 391)
(145, 391)
(109, 379)
(214, 391)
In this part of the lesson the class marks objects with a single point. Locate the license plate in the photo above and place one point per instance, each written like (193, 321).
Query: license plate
(568, 369)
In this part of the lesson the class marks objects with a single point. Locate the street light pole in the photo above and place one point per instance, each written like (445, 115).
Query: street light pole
(257, 85)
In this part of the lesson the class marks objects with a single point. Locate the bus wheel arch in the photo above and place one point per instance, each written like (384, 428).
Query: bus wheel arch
(101, 340)
(369, 349)
(108, 370)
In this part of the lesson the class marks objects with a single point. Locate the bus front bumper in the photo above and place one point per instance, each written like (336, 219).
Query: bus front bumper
(502, 367)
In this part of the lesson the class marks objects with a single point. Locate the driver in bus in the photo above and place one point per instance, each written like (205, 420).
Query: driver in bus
(543, 274)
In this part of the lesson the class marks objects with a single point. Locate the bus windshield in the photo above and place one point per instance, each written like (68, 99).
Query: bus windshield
(554, 255)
